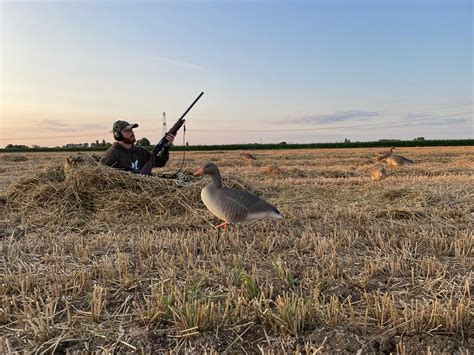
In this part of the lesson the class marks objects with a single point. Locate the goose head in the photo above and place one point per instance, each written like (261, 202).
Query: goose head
(208, 168)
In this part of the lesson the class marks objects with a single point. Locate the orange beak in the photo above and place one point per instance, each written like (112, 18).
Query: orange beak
(199, 172)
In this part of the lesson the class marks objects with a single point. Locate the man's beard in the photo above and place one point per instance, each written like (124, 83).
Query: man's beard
(130, 140)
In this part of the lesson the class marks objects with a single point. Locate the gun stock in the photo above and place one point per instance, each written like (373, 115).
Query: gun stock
(146, 170)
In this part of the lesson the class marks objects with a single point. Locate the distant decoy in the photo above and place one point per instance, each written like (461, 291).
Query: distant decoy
(396, 160)
(393, 159)
(248, 156)
(232, 205)
(385, 155)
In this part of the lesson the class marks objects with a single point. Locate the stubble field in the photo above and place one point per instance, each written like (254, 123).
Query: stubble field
(98, 260)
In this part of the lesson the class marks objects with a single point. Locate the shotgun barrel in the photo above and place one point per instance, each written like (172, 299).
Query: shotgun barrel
(146, 170)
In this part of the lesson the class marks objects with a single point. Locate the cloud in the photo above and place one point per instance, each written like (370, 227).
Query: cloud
(338, 116)
(52, 125)
(415, 115)
(181, 63)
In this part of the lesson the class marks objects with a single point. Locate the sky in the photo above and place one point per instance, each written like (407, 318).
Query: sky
(271, 71)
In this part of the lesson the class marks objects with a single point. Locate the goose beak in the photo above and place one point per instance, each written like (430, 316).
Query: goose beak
(199, 172)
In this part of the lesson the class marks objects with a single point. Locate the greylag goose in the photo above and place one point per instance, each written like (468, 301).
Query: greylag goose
(394, 159)
(248, 156)
(232, 205)
(382, 156)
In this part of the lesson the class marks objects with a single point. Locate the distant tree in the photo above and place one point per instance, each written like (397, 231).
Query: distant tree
(187, 144)
(16, 146)
(283, 143)
(347, 140)
(97, 143)
(85, 145)
(143, 142)
(103, 143)
(419, 139)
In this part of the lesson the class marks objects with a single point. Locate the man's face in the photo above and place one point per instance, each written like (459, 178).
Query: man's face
(128, 136)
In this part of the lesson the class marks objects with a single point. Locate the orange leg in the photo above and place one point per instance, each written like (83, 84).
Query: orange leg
(224, 224)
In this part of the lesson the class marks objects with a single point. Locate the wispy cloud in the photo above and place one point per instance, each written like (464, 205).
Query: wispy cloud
(52, 125)
(338, 116)
(180, 63)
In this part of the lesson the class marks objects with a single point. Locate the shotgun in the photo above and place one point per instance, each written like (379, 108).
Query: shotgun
(146, 170)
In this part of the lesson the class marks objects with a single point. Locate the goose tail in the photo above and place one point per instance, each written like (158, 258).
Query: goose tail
(276, 214)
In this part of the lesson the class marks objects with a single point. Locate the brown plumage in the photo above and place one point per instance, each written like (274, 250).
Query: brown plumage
(232, 205)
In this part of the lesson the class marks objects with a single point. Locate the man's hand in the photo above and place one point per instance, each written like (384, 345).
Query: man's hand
(170, 138)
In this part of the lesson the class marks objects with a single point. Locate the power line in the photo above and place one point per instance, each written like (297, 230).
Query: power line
(394, 123)
(381, 113)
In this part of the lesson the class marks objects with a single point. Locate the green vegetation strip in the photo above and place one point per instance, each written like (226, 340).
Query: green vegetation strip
(275, 146)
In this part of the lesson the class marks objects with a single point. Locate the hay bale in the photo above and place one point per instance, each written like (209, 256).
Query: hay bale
(99, 197)
(76, 160)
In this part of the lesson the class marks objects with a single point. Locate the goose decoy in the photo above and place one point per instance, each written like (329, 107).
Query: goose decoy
(396, 160)
(248, 156)
(378, 173)
(232, 205)
(393, 159)
(382, 156)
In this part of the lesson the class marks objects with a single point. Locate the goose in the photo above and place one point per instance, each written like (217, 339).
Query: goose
(382, 156)
(232, 205)
(378, 173)
(394, 159)
(248, 156)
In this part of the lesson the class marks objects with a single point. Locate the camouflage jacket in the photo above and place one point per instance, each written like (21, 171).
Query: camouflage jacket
(132, 159)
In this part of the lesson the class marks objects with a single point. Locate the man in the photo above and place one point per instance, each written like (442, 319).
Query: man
(125, 155)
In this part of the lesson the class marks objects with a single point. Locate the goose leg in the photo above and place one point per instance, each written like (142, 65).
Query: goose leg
(224, 224)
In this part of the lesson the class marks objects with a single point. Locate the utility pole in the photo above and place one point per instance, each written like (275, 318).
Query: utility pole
(164, 130)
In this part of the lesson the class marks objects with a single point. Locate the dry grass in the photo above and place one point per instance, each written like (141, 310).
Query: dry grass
(98, 260)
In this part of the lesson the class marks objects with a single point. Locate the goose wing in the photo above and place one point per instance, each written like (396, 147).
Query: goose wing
(382, 156)
(252, 203)
(402, 160)
(406, 160)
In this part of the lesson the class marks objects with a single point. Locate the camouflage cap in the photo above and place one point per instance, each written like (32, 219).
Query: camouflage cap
(120, 125)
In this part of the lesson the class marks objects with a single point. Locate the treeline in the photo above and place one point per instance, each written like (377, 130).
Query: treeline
(272, 146)
(397, 143)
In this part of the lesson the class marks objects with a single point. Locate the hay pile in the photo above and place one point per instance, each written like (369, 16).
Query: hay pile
(99, 198)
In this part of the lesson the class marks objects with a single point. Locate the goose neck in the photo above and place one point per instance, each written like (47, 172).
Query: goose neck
(216, 179)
